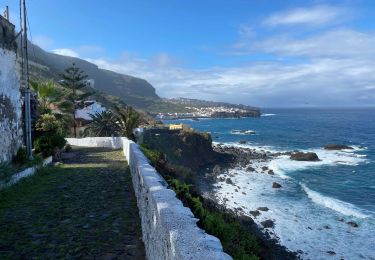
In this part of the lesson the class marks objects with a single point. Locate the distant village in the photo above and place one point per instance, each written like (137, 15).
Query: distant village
(207, 112)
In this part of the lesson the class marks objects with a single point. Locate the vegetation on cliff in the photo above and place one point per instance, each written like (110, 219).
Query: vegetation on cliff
(236, 240)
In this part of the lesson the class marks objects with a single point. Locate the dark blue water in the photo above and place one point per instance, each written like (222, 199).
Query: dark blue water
(342, 185)
(291, 129)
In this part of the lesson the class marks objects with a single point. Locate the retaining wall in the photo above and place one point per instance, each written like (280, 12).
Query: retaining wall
(169, 229)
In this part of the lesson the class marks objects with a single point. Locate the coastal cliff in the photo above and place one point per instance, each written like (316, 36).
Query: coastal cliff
(187, 148)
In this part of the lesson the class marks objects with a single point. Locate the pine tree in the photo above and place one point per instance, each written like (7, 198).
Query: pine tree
(75, 80)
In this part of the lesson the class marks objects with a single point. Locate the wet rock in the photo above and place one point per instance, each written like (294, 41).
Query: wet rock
(352, 223)
(250, 169)
(337, 147)
(301, 156)
(263, 209)
(276, 185)
(254, 213)
(229, 181)
(264, 168)
(267, 223)
(270, 172)
(331, 252)
(327, 227)
(217, 170)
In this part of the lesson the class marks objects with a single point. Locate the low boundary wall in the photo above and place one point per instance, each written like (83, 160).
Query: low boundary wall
(169, 229)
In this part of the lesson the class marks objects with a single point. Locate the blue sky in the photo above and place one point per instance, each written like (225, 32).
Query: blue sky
(263, 53)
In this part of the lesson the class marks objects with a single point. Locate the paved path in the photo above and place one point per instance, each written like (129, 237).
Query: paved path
(82, 209)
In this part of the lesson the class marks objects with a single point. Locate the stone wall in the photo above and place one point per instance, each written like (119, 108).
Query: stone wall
(169, 229)
(10, 105)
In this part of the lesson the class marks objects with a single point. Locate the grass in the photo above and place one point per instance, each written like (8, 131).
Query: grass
(85, 208)
(7, 170)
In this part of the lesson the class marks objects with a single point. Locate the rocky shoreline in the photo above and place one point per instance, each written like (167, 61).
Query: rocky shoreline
(244, 158)
(253, 160)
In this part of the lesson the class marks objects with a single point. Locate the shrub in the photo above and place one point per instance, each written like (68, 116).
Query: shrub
(236, 241)
(49, 123)
(68, 148)
(46, 144)
(21, 156)
(49, 135)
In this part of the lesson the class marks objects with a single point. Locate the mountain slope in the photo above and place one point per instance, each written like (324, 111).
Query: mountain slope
(111, 87)
(131, 90)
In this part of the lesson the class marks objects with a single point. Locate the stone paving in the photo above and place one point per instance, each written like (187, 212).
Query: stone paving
(84, 208)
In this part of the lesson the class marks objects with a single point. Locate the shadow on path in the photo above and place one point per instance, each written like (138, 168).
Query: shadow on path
(84, 208)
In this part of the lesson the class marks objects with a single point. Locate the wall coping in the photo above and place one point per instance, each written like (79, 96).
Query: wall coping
(25, 173)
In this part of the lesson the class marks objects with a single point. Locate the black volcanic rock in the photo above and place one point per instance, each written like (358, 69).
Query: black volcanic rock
(267, 223)
(337, 147)
(300, 156)
(352, 223)
(276, 185)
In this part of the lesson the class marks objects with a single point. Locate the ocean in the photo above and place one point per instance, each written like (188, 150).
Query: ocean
(317, 199)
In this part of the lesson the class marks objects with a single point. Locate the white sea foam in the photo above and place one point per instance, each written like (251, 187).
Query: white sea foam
(268, 115)
(282, 164)
(334, 204)
(300, 223)
(243, 132)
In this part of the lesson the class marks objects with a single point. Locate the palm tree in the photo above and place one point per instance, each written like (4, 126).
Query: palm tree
(127, 119)
(48, 95)
(102, 124)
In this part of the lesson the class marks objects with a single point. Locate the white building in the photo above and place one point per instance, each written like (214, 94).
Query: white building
(90, 108)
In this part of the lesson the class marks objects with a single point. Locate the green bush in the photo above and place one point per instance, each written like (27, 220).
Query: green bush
(49, 135)
(236, 241)
(49, 123)
(46, 144)
(68, 148)
(21, 156)
(152, 155)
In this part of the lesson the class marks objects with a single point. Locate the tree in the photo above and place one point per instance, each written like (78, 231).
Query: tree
(118, 123)
(74, 79)
(102, 124)
(127, 119)
(48, 95)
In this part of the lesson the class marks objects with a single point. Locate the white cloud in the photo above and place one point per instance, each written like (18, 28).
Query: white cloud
(43, 41)
(316, 15)
(345, 43)
(66, 52)
(89, 50)
(319, 82)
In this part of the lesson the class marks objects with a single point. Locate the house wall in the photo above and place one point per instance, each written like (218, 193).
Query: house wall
(10, 97)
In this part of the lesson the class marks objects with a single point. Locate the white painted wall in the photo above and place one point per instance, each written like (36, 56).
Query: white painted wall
(10, 106)
(169, 229)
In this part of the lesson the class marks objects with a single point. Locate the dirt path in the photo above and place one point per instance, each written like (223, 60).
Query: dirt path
(84, 208)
